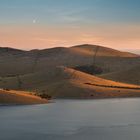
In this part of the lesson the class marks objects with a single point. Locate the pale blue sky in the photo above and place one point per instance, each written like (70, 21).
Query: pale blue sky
(65, 11)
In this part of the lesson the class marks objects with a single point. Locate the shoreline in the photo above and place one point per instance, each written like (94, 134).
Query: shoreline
(69, 99)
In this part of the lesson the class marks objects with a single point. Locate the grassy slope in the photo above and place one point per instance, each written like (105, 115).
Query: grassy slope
(131, 76)
(19, 97)
(62, 82)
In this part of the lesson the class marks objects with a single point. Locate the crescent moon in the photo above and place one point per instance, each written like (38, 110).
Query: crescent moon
(34, 21)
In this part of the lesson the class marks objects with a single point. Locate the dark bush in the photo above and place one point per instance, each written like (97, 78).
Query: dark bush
(90, 69)
(45, 96)
(6, 89)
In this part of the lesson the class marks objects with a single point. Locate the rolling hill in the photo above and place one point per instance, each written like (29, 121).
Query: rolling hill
(10, 51)
(63, 82)
(52, 71)
(19, 97)
(102, 51)
(131, 76)
(109, 60)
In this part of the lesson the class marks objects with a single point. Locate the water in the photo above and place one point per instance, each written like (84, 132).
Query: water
(111, 119)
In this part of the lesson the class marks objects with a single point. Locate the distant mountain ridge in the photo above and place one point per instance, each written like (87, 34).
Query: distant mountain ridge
(105, 51)
(10, 50)
(28, 61)
(84, 48)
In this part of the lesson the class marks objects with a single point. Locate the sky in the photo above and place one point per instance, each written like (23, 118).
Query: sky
(38, 24)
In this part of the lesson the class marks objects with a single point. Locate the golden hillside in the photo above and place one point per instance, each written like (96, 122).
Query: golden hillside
(62, 82)
(19, 97)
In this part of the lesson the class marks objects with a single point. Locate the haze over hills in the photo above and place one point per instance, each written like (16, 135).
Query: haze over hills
(135, 51)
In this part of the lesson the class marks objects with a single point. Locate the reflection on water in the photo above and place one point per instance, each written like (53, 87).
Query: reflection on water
(114, 119)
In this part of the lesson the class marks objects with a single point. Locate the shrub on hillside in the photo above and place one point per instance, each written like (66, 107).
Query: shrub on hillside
(90, 69)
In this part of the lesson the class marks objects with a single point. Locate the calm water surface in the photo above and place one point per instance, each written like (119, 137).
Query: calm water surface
(112, 119)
